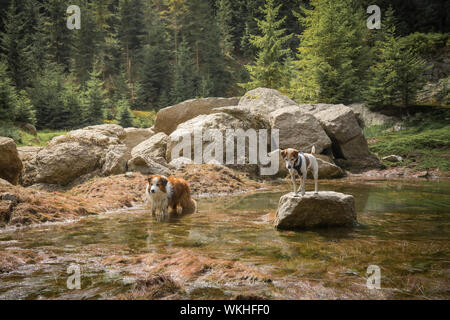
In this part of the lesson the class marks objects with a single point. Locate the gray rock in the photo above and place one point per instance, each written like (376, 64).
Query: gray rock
(338, 120)
(149, 156)
(116, 160)
(28, 157)
(64, 162)
(68, 157)
(367, 118)
(299, 129)
(169, 118)
(263, 101)
(220, 121)
(135, 136)
(10, 163)
(326, 209)
(179, 162)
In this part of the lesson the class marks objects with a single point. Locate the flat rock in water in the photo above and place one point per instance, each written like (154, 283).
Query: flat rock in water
(326, 209)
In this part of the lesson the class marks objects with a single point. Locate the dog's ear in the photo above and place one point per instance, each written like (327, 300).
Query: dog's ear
(149, 179)
(284, 153)
(164, 181)
(295, 154)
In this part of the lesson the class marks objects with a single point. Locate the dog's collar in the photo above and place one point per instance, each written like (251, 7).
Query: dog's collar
(298, 165)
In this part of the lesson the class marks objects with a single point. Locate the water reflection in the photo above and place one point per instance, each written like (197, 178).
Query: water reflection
(403, 227)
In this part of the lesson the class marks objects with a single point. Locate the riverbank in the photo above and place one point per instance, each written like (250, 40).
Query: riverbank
(25, 206)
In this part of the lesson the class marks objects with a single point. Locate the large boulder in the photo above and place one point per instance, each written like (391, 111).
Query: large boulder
(349, 145)
(64, 162)
(73, 155)
(135, 136)
(327, 169)
(149, 156)
(169, 118)
(338, 120)
(326, 209)
(367, 118)
(299, 130)
(263, 101)
(10, 163)
(28, 156)
(220, 121)
(100, 135)
(116, 159)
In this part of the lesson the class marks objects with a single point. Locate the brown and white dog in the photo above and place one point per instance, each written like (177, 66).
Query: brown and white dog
(299, 162)
(167, 194)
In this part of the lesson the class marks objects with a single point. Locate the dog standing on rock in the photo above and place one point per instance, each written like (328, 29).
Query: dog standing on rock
(299, 162)
(169, 194)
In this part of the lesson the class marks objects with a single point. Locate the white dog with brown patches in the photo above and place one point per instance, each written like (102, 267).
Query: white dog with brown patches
(299, 162)
(169, 194)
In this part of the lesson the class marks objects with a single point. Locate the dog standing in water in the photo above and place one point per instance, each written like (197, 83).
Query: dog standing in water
(169, 194)
(299, 162)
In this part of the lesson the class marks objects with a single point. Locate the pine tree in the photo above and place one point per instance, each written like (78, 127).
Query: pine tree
(124, 115)
(24, 110)
(333, 56)
(268, 70)
(94, 99)
(7, 95)
(201, 32)
(15, 43)
(59, 37)
(184, 86)
(48, 94)
(225, 21)
(397, 73)
(131, 33)
(86, 43)
(155, 73)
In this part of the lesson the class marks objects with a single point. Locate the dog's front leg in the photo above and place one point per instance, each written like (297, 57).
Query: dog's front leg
(153, 208)
(293, 181)
(303, 188)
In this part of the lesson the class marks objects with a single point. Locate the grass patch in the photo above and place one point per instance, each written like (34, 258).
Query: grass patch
(424, 144)
(143, 119)
(42, 139)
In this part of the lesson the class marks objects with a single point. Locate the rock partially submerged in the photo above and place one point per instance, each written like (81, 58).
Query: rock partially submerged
(326, 209)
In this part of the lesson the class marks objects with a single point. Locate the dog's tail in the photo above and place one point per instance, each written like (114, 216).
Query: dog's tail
(313, 150)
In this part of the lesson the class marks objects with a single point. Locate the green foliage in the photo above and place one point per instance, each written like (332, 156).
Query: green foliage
(17, 40)
(24, 109)
(42, 139)
(94, 99)
(7, 95)
(55, 98)
(143, 119)
(124, 116)
(396, 76)
(269, 70)
(7, 129)
(225, 22)
(426, 44)
(184, 86)
(14, 106)
(424, 144)
(333, 56)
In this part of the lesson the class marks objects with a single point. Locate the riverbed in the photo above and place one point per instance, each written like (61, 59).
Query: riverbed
(403, 230)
